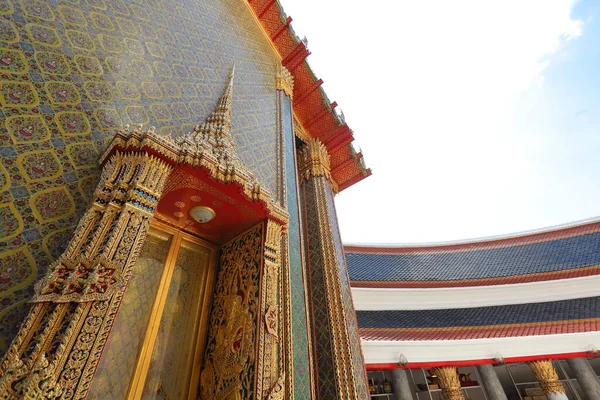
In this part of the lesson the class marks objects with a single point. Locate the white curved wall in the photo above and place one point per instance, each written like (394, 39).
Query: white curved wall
(380, 351)
(475, 296)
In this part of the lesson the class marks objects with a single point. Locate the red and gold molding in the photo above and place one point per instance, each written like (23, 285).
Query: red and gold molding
(482, 332)
(311, 106)
(469, 363)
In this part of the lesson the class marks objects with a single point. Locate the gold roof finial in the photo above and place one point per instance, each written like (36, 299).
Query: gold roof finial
(223, 112)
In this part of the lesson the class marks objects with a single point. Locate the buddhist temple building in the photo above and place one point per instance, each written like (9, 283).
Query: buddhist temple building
(167, 223)
(509, 317)
(168, 230)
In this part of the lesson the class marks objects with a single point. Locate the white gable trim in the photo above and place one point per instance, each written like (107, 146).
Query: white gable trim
(381, 351)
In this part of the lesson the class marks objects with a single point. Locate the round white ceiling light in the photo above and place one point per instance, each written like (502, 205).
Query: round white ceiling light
(202, 214)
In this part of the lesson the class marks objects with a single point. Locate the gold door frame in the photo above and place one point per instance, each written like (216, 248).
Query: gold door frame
(138, 380)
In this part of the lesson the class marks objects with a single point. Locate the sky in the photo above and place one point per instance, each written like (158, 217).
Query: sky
(477, 117)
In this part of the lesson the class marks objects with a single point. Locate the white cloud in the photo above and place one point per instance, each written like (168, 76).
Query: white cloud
(429, 89)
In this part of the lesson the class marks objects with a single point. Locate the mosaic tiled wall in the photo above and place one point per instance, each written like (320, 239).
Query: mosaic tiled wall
(348, 304)
(71, 71)
(317, 195)
(299, 323)
(322, 337)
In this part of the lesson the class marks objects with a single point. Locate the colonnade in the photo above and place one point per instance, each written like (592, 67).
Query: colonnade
(449, 383)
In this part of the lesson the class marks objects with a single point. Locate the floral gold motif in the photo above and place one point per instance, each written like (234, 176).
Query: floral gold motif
(230, 353)
(314, 160)
(270, 352)
(299, 130)
(285, 81)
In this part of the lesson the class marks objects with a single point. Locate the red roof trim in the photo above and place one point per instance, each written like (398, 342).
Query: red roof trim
(468, 363)
(355, 179)
(311, 106)
(482, 332)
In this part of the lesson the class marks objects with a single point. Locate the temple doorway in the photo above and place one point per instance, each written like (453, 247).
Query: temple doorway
(156, 345)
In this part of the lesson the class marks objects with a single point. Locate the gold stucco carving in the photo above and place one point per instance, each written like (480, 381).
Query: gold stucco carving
(546, 375)
(317, 189)
(449, 382)
(285, 81)
(232, 336)
(278, 391)
(314, 160)
(72, 311)
(299, 130)
(12, 382)
(211, 146)
(270, 346)
(80, 280)
(39, 383)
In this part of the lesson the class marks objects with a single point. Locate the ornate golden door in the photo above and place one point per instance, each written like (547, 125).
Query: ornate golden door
(156, 345)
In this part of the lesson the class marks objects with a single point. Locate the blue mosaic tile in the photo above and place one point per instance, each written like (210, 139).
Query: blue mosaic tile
(7, 152)
(482, 316)
(200, 41)
(20, 191)
(297, 267)
(31, 235)
(530, 258)
(70, 178)
(58, 143)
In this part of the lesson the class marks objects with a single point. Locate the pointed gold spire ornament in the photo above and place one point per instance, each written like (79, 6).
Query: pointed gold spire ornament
(213, 136)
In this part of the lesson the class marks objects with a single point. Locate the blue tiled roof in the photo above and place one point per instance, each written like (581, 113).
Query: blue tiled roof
(482, 316)
(478, 262)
